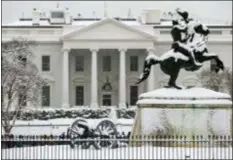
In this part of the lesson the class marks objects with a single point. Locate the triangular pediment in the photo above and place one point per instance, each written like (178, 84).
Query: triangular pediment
(108, 29)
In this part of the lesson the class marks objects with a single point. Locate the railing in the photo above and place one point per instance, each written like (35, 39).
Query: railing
(56, 125)
(138, 147)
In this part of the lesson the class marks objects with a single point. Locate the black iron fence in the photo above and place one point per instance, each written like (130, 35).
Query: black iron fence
(118, 147)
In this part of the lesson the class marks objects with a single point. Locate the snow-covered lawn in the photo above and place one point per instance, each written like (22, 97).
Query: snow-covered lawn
(146, 152)
(58, 126)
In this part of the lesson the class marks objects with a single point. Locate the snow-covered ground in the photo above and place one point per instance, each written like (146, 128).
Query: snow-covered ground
(59, 126)
(146, 152)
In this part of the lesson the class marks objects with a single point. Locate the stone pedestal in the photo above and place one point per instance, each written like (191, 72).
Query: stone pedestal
(187, 112)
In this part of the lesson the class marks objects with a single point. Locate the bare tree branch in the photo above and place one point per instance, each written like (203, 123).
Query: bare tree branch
(20, 80)
(217, 81)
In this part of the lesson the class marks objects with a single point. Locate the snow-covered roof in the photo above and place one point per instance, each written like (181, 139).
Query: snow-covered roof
(85, 22)
(184, 96)
(27, 23)
(74, 23)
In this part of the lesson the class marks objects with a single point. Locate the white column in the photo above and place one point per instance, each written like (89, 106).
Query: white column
(151, 78)
(94, 80)
(122, 80)
(65, 83)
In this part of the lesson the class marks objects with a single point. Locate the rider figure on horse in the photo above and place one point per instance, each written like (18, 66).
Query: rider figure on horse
(194, 27)
(180, 44)
(193, 46)
(185, 15)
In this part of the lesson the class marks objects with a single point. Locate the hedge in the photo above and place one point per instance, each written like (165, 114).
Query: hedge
(88, 113)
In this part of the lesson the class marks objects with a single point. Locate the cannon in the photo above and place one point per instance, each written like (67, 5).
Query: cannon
(100, 135)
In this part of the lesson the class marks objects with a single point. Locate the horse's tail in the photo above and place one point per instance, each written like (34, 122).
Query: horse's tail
(149, 61)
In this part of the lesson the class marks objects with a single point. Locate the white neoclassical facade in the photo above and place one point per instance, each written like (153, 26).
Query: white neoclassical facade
(96, 61)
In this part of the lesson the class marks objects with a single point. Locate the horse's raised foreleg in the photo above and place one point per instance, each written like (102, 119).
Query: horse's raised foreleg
(147, 67)
(212, 56)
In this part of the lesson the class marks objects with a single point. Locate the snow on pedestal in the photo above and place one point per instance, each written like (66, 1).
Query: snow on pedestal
(194, 111)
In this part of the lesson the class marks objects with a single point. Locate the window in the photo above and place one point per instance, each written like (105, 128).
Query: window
(133, 63)
(216, 32)
(22, 96)
(165, 32)
(107, 100)
(9, 95)
(57, 15)
(79, 63)
(106, 63)
(46, 96)
(133, 95)
(213, 65)
(2, 96)
(45, 63)
(163, 83)
(190, 82)
(79, 95)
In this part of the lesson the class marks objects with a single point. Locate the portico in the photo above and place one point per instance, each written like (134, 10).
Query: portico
(107, 34)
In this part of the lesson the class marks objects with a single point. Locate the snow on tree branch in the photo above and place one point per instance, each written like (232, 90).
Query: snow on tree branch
(21, 81)
(217, 81)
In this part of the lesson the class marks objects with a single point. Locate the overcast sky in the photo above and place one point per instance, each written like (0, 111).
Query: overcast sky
(213, 10)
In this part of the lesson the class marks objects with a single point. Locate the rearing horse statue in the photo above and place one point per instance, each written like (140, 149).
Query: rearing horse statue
(172, 62)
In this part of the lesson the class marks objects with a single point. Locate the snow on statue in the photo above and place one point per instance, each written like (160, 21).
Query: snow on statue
(188, 53)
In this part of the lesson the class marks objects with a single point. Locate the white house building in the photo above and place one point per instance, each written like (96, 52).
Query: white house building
(96, 61)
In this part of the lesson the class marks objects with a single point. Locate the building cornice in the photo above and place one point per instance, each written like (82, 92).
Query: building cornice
(105, 21)
(110, 40)
(212, 26)
(61, 26)
(213, 41)
(32, 26)
(83, 19)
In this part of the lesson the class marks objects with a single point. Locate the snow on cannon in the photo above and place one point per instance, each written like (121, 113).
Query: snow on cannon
(93, 132)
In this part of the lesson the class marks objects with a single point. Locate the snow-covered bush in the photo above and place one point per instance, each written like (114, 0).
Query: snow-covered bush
(220, 82)
(126, 113)
(88, 113)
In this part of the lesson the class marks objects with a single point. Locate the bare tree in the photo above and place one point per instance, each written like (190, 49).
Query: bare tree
(217, 81)
(228, 82)
(21, 82)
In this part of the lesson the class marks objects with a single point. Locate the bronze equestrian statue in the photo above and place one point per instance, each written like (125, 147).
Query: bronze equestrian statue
(185, 53)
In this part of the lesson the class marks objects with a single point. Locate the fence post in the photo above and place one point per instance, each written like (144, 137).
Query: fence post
(225, 144)
(221, 144)
(140, 140)
(186, 144)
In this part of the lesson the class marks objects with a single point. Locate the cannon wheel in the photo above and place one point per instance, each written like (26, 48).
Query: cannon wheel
(106, 129)
(74, 131)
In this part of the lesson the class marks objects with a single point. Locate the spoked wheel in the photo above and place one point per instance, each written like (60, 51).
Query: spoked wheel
(106, 129)
(75, 132)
